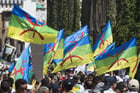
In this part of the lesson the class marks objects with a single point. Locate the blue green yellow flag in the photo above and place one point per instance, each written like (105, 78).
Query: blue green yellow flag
(77, 50)
(104, 39)
(118, 58)
(26, 28)
(53, 51)
(91, 66)
(21, 69)
(134, 67)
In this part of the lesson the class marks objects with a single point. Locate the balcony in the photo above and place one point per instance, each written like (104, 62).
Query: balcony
(7, 5)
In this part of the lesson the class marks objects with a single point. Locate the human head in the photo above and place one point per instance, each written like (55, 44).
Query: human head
(5, 87)
(68, 84)
(121, 87)
(91, 76)
(21, 86)
(110, 82)
(88, 84)
(45, 82)
(133, 85)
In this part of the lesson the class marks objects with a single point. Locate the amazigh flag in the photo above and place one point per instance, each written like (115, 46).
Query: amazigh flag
(91, 66)
(134, 67)
(12, 65)
(26, 28)
(60, 50)
(21, 69)
(53, 50)
(118, 58)
(30, 69)
(104, 39)
(77, 50)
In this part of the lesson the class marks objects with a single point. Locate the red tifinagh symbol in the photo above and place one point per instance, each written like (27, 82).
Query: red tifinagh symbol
(32, 29)
(117, 61)
(51, 50)
(102, 41)
(17, 71)
(136, 64)
(20, 70)
(70, 56)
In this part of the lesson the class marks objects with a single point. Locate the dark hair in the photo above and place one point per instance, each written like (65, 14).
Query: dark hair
(10, 81)
(88, 84)
(68, 84)
(20, 82)
(45, 82)
(5, 86)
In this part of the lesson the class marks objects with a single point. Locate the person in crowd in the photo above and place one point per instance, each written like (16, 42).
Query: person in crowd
(78, 83)
(121, 87)
(133, 86)
(5, 87)
(21, 86)
(110, 84)
(54, 85)
(60, 84)
(91, 77)
(117, 74)
(88, 86)
(11, 82)
(68, 84)
(98, 84)
(43, 86)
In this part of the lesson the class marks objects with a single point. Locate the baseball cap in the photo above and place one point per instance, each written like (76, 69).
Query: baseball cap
(109, 81)
(133, 84)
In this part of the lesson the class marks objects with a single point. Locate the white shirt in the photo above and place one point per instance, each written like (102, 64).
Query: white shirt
(109, 91)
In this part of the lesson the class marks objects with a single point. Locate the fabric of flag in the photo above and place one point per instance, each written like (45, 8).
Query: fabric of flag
(91, 66)
(11, 67)
(21, 69)
(30, 69)
(77, 50)
(134, 67)
(53, 51)
(104, 39)
(118, 58)
(26, 28)
(60, 50)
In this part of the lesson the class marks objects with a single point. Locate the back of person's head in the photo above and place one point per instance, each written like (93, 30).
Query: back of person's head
(121, 87)
(88, 84)
(68, 84)
(133, 85)
(5, 87)
(109, 81)
(76, 78)
(20, 82)
(10, 81)
(45, 82)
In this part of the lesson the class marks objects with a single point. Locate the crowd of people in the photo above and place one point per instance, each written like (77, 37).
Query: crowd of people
(69, 82)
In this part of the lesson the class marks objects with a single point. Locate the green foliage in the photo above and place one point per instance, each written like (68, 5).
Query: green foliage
(124, 28)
